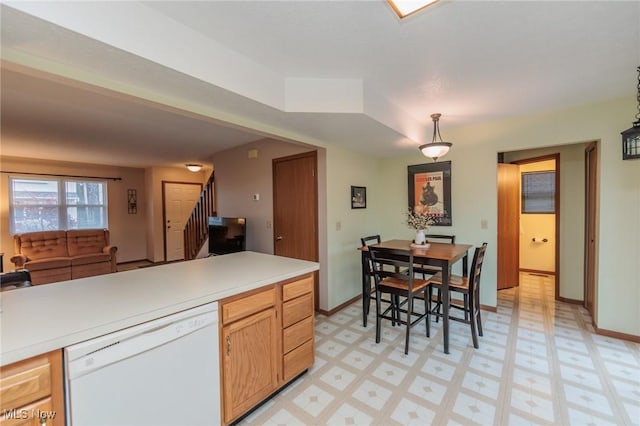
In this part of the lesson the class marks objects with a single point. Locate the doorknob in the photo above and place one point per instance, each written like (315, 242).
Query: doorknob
(279, 237)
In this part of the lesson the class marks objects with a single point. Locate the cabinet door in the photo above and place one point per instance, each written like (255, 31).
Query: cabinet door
(250, 354)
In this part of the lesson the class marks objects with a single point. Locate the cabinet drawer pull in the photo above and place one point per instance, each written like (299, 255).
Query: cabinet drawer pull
(228, 345)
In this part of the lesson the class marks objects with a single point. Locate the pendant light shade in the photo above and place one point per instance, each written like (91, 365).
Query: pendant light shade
(435, 149)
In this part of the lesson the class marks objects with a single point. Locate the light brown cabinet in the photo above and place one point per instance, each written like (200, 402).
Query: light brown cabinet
(31, 391)
(266, 339)
(297, 326)
(250, 351)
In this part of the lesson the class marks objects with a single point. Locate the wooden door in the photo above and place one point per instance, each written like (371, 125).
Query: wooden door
(591, 156)
(295, 208)
(179, 200)
(508, 225)
(250, 362)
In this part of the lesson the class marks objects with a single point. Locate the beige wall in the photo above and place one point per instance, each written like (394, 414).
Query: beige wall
(238, 178)
(154, 224)
(474, 198)
(537, 255)
(127, 230)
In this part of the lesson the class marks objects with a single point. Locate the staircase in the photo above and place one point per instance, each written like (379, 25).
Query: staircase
(196, 231)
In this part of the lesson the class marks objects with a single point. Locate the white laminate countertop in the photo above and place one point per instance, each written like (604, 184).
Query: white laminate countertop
(42, 318)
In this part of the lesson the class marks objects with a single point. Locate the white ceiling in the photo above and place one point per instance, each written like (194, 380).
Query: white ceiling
(165, 83)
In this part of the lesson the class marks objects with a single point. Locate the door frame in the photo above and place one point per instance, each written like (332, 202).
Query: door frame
(164, 211)
(590, 227)
(555, 157)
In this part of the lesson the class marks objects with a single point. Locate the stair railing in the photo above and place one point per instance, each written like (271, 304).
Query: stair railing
(197, 228)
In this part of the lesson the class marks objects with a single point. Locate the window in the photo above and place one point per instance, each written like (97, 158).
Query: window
(539, 192)
(56, 204)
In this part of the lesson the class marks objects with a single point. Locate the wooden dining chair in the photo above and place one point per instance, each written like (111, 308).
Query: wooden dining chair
(397, 281)
(424, 269)
(366, 241)
(469, 287)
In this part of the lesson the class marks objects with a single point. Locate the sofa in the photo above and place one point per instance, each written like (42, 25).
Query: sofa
(52, 256)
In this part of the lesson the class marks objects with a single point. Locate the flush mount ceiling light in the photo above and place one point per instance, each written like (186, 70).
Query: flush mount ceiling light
(194, 167)
(435, 149)
(405, 8)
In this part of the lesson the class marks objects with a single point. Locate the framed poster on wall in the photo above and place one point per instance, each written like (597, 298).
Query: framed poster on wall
(430, 191)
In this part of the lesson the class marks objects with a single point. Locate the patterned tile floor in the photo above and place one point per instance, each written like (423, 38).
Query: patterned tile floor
(538, 363)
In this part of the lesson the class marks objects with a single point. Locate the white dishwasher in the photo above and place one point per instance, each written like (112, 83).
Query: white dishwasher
(163, 372)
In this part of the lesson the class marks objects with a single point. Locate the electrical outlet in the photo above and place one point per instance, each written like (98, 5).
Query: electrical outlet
(338, 226)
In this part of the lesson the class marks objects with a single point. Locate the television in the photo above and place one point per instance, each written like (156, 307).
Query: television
(226, 235)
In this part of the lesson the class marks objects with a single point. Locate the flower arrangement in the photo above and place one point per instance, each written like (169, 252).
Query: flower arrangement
(420, 221)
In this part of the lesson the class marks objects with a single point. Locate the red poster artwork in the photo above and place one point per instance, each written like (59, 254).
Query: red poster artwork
(428, 193)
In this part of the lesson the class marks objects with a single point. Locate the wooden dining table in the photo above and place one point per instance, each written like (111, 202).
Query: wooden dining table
(443, 255)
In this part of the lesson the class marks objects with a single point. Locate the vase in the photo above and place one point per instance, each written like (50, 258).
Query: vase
(420, 237)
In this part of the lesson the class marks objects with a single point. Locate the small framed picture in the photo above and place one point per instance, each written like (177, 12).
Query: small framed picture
(358, 197)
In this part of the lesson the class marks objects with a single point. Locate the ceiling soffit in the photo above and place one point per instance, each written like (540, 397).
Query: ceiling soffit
(118, 24)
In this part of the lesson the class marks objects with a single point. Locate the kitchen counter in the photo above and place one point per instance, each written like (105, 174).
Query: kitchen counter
(42, 318)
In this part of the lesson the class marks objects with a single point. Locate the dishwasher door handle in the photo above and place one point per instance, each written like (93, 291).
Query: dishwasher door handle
(138, 343)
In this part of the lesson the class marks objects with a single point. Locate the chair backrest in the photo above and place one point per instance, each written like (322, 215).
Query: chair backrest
(372, 239)
(448, 238)
(366, 241)
(476, 267)
(400, 260)
(14, 280)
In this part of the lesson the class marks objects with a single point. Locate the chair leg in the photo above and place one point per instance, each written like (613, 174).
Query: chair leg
(366, 306)
(406, 336)
(438, 305)
(479, 318)
(468, 310)
(378, 322)
(477, 301)
(428, 293)
(426, 309)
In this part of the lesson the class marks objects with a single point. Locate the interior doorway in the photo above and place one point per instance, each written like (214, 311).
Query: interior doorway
(528, 219)
(178, 201)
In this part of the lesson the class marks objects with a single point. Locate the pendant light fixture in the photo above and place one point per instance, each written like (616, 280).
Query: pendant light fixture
(435, 150)
(631, 137)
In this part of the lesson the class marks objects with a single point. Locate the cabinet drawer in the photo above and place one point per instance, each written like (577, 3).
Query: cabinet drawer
(239, 308)
(297, 334)
(297, 288)
(297, 309)
(25, 382)
(298, 359)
